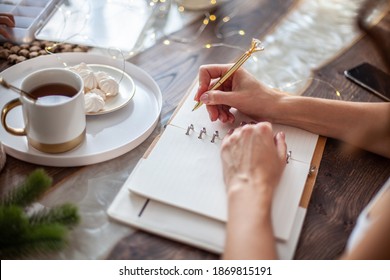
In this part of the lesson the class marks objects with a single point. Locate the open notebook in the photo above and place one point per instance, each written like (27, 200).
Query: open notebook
(181, 176)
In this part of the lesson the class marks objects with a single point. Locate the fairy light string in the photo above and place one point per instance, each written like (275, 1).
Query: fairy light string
(222, 22)
(221, 32)
(306, 81)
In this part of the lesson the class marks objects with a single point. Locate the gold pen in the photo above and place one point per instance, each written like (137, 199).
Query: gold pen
(256, 46)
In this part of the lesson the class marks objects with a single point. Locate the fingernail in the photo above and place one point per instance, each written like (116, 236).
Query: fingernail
(205, 98)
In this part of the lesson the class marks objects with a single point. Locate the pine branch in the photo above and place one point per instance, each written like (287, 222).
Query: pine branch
(66, 214)
(30, 190)
(39, 239)
(13, 222)
(41, 232)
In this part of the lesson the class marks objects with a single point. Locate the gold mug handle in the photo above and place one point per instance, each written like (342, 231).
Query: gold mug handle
(6, 109)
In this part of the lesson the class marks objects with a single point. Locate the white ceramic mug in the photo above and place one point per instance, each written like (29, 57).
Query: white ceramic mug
(56, 121)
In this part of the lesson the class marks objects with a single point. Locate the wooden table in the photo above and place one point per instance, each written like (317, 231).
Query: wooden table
(346, 180)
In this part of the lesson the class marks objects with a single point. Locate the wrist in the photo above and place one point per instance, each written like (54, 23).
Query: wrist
(274, 110)
(289, 109)
(244, 200)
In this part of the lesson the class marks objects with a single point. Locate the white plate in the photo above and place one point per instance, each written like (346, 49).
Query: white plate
(108, 136)
(126, 89)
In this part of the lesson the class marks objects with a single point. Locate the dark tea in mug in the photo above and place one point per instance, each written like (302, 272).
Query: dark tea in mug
(50, 94)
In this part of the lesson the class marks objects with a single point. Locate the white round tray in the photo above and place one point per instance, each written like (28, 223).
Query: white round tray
(108, 136)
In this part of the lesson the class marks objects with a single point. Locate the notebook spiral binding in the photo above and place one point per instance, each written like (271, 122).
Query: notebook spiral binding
(202, 132)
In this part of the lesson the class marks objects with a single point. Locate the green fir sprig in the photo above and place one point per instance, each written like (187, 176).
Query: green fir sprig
(29, 191)
(35, 234)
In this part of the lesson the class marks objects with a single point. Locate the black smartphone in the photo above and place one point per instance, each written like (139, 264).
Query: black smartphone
(371, 78)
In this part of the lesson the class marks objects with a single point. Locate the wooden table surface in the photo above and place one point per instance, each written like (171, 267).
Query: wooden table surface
(347, 178)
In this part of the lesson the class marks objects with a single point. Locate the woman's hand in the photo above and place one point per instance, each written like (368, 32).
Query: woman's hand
(253, 158)
(241, 91)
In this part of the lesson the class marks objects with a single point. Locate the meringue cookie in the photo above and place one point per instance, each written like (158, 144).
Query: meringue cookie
(100, 75)
(79, 67)
(98, 92)
(93, 102)
(90, 81)
(109, 86)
